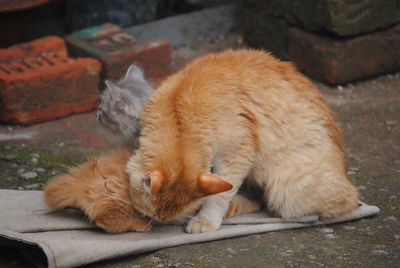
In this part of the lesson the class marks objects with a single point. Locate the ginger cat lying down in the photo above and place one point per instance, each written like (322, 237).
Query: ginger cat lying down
(235, 115)
(100, 188)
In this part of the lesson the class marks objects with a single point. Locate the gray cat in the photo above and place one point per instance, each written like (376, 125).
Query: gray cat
(121, 104)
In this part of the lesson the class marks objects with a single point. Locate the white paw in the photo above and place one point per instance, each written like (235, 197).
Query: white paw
(201, 225)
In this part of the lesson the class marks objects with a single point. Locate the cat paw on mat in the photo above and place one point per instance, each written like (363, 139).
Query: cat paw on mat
(201, 225)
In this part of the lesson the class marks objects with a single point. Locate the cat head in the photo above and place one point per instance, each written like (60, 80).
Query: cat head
(166, 197)
(122, 102)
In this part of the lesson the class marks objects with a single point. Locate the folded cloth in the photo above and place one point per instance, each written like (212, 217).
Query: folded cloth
(66, 239)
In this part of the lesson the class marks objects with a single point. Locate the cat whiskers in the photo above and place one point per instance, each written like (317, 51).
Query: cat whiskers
(93, 163)
(109, 193)
(128, 202)
(149, 224)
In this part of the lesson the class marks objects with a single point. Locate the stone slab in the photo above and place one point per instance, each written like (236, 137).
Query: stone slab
(338, 61)
(264, 31)
(340, 17)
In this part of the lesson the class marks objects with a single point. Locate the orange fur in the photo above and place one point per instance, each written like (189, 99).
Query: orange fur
(246, 114)
(240, 205)
(100, 188)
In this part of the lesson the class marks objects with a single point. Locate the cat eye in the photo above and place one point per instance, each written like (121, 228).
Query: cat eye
(119, 106)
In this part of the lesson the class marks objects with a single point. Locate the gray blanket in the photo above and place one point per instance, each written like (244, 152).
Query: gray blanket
(65, 239)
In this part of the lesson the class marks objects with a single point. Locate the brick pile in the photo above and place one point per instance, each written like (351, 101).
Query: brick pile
(333, 41)
(117, 50)
(41, 81)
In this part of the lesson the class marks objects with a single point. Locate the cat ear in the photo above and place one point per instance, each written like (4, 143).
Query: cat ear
(152, 182)
(117, 94)
(113, 88)
(134, 74)
(210, 184)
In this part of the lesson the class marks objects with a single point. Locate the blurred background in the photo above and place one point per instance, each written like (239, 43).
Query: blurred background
(25, 20)
(319, 35)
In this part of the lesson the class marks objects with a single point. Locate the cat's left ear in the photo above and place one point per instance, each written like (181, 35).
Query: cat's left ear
(152, 182)
(210, 184)
(134, 74)
(113, 88)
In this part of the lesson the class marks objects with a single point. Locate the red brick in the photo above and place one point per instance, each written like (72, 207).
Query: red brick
(50, 44)
(117, 50)
(338, 60)
(46, 85)
(12, 5)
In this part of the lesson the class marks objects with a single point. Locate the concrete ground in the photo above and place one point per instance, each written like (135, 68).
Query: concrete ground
(369, 114)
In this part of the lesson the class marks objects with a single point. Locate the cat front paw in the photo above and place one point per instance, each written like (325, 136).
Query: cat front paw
(201, 225)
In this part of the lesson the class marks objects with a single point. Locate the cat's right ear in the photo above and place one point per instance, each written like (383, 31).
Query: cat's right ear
(152, 182)
(134, 74)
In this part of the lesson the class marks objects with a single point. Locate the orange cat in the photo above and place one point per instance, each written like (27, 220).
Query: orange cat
(241, 114)
(100, 188)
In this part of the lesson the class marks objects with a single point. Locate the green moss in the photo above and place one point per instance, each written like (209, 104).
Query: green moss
(49, 163)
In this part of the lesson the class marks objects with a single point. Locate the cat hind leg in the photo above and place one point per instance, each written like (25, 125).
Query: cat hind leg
(328, 197)
(241, 205)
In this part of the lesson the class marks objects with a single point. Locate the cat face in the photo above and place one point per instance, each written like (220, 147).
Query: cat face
(166, 198)
(121, 104)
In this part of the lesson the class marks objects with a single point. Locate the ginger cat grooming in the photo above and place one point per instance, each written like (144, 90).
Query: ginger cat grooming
(240, 114)
(100, 188)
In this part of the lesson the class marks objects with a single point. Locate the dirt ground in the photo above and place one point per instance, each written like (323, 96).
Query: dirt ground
(369, 114)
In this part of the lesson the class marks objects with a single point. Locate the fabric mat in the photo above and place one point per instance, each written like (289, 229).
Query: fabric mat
(65, 239)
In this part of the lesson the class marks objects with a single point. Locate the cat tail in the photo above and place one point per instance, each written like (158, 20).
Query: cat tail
(63, 191)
